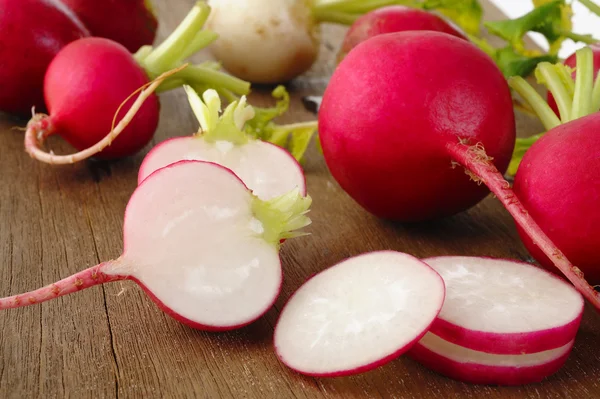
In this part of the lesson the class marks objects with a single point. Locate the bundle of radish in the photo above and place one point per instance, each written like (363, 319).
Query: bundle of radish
(424, 119)
(558, 179)
(85, 103)
(266, 169)
(502, 322)
(28, 46)
(180, 227)
(130, 23)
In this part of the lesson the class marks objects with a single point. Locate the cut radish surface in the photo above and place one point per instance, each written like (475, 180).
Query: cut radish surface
(358, 314)
(268, 170)
(200, 244)
(505, 307)
(483, 368)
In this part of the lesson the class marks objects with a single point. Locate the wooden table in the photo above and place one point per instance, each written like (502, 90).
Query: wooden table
(112, 341)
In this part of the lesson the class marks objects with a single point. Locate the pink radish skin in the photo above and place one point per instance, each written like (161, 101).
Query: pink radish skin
(511, 370)
(394, 19)
(131, 23)
(28, 46)
(504, 307)
(392, 109)
(203, 208)
(358, 315)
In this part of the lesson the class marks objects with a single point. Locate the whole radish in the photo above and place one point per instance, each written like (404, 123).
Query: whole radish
(394, 19)
(396, 124)
(131, 23)
(28, 46)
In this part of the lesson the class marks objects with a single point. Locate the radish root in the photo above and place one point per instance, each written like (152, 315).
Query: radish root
(39, 128)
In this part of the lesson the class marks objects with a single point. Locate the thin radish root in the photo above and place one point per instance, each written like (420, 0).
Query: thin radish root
(39, 128)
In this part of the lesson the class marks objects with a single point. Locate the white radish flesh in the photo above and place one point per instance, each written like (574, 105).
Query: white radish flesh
(358, 314)
(476, 367)
(505, 307)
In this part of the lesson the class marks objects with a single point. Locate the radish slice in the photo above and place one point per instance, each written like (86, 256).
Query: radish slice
(505, 307)
(476, 367)
(358, 314)
(268, 170)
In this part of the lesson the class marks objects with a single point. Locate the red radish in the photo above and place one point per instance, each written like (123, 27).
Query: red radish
(359, 314)
(394, 19)
(202, 246)
(268, 170)
(89, 79)
(483, 368)
(131, 23)
(28, 45)
(504, 307)
(395, 123)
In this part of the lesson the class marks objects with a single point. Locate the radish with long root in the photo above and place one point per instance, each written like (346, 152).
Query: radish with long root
(392, 109)
(180, 227)
(88, 81)
(28, 46)
(557, 177)
(268, 170)
(358, 315)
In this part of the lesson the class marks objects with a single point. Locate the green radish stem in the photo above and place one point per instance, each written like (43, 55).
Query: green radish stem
(593, 7)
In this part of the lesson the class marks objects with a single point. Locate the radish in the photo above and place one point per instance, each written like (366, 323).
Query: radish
(394, 19)
(394, 124)
(357, 315)
(84, 103)
(131, 23)
(504, 307)
(201, 245)
(268, 170)
(28, 46)
(483, 368)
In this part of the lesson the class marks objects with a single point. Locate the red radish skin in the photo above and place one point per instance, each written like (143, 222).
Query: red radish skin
(131, 23)
(488, 374)
(394, 19)
(518, 291)
(392, 109)
(202, 208)
(28, 46)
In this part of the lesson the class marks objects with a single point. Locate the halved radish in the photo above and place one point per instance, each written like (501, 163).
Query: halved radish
(358, 314)
(505, 307)
(476, 367)
(268, 170)
(200, 244)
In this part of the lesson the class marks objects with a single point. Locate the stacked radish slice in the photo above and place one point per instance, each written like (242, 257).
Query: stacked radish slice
(484, 321)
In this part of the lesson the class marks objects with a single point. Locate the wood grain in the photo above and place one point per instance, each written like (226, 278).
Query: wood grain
(112, 341)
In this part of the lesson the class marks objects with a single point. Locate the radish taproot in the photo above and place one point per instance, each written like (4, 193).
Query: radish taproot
(504, 307)
(358, 315)
(131, 23)
(28, 46)
(102, 75)
(392, 109)
(180, 227)
(266, 169)
(475, 367)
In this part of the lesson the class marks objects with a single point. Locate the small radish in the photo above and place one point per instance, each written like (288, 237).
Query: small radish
(504, 307)
(28, 46)
(395, 123)
(202, 246)
(394, 19)
(89, 79)
(483, 368)
(358, 315)
(131, 23)
(266, 169)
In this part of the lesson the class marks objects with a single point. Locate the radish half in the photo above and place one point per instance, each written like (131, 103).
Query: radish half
(483, 368)
(358, 314)
(200, 244)
(505, 307)
(268, 170)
